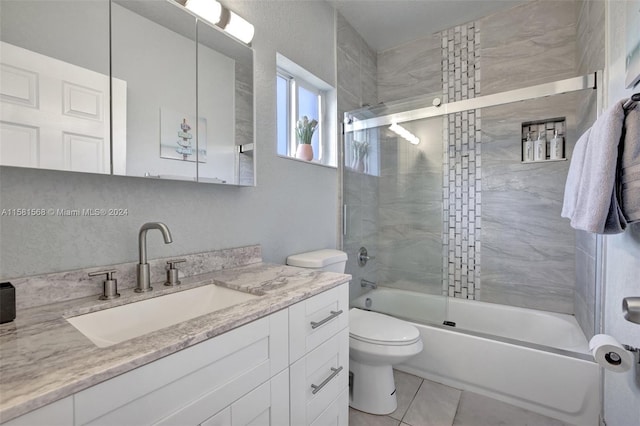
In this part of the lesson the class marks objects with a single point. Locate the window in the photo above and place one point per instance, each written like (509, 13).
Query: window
(301, 94)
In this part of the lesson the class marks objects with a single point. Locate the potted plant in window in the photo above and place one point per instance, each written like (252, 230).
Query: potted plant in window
(304, 133)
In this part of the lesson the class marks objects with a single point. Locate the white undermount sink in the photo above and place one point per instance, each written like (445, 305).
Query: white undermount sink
(114, 325)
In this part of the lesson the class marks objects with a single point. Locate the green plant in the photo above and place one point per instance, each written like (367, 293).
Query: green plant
(305, 129)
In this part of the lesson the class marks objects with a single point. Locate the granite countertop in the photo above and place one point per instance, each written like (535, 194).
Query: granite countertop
(43, 358)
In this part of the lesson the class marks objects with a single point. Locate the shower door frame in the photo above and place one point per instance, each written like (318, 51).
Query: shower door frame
(574, 84)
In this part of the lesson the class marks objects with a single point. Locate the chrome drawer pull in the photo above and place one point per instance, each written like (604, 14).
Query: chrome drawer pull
(316, 388)
(326, 320)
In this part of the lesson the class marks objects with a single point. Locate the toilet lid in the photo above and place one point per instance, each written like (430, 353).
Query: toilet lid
(377, 328)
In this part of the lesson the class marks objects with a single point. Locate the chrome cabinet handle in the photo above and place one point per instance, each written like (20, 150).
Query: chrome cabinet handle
(316, 388)
(326, 320)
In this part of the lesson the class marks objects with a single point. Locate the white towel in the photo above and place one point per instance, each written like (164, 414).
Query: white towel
(590, 200)
(630, 167)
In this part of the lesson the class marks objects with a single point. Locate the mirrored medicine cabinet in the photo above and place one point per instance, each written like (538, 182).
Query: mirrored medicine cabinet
(138, 88)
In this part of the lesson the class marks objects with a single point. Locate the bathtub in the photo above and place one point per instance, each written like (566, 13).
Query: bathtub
(531, 359)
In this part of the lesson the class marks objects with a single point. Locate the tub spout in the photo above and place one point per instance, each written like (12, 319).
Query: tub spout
(367, 283)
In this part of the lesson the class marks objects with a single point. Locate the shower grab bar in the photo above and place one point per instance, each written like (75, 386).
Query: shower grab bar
(326, 320)
(528, 93)
(317, 388)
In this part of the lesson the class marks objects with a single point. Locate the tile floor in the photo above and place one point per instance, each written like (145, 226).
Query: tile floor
(425, 403)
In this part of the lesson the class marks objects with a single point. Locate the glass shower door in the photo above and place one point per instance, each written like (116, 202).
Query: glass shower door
(393, 207)
(452, 206)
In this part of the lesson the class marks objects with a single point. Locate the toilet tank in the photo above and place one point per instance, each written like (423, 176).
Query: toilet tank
(323, 260)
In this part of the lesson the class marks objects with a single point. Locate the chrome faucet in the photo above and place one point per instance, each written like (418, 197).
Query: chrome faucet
(144, 277)
(367, 283)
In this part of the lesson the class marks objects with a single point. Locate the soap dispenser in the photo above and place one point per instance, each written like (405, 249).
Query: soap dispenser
(527, 149)
(555, 147)
(540, 149)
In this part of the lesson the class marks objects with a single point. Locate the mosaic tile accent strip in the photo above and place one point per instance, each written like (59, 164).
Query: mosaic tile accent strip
(462, 163)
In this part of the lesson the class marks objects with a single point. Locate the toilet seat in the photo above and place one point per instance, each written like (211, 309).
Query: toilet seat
(379, 329)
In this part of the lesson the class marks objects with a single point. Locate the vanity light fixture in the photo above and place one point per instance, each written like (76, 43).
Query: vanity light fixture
(229, 21)
(210, 10)
(239, 27)
(401, 131)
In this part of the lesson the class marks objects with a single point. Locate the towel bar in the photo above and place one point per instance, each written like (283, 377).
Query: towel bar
(631, 102)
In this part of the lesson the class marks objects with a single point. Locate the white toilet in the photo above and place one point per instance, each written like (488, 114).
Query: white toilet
(323, 260)
(376, 342)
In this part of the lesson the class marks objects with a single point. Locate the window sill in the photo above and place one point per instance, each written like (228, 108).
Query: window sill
(314, 162)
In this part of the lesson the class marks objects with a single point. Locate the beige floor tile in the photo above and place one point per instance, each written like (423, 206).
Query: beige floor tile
(479, 410)
(407, 386)
(358, 418)
(434, 405)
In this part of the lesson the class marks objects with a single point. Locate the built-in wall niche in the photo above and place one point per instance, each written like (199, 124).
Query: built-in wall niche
(543, 140)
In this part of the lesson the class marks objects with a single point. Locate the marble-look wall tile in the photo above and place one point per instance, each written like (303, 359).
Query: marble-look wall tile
(410, 210)
(356, 69)
(361, 197)
(585, 293)
(44, 289)
(521, 294)
(516, 206)
(410, 70)
(590, 39)
(349, 74)
(527, 246)
(528, 44)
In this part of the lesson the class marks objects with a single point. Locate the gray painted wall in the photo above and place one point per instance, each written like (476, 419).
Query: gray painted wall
(293, 208)
(622, 264)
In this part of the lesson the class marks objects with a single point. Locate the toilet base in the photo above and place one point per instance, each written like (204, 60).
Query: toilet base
(374, 389)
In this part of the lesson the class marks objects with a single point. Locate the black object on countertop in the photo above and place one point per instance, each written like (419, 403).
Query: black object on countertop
(7, 302)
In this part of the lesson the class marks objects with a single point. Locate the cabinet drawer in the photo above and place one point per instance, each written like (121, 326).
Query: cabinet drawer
(189, 386)
(316, 319)
(337, 414)
(318, 378)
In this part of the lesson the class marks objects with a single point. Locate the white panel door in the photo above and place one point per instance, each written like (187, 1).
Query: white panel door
(54, 115)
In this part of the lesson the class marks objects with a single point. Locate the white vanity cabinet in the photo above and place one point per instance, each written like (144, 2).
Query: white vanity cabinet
(59, 413)
(319, 355)
(258, 374)
(190, 386)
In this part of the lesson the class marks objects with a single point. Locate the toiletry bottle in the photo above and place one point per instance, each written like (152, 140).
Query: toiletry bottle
(527, 149)
(555, 148)
(540, 149)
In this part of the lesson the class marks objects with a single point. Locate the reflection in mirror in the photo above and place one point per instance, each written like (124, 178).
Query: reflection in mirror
(225, 104)
(154, 55)
(61, 110)
(168, 79)
(54, 85)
